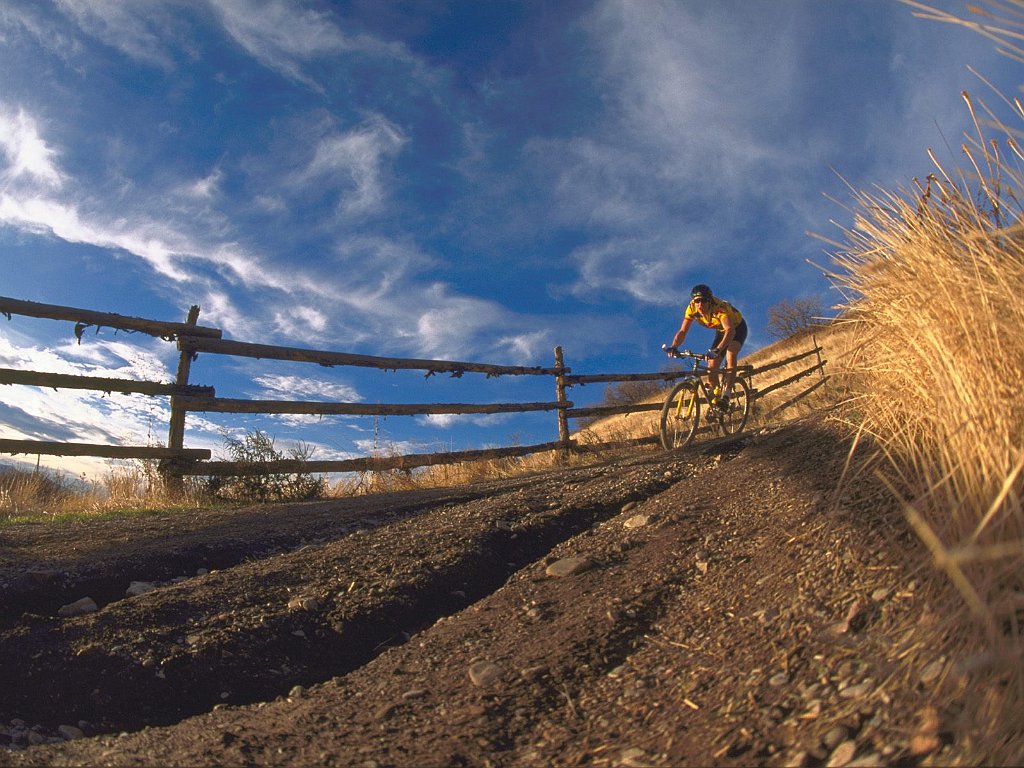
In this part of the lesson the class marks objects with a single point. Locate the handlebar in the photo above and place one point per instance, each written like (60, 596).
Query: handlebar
(682, 353)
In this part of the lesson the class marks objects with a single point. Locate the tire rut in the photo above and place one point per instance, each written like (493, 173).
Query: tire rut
(252, 632)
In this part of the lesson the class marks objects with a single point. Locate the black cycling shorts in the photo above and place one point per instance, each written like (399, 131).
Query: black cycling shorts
(740, 335)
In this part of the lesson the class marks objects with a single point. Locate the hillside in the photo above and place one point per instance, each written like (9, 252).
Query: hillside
(733, 604)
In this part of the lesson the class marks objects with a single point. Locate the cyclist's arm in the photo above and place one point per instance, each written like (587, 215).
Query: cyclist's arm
(683, 330)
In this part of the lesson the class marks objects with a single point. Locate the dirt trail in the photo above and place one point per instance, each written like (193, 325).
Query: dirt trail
(722, 605)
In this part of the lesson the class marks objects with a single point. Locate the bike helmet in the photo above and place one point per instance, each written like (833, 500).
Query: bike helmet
(700, 291)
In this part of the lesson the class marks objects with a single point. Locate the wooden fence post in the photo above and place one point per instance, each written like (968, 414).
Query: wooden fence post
(817, 351)
(563, 417)
(171, 468)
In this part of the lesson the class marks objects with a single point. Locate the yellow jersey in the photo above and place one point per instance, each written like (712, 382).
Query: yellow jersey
(713, 314)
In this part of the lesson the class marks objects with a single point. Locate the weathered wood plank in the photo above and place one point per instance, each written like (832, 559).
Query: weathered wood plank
(741, 370)
(794, 400)
(366, 464)
(101, 451)
(329, 359)
(791, 379)
(609, 410)
(787, 361)
(88, 317)
(97, 383)
(316, 408)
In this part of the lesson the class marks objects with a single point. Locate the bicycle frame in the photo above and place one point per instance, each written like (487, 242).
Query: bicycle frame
(680, 417)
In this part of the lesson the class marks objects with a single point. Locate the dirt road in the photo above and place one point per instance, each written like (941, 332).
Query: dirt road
(722, 605)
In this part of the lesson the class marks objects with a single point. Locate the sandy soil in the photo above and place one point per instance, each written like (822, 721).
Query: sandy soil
(728, 604)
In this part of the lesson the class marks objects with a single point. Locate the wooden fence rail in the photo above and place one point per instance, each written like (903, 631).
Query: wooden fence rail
(192, 339)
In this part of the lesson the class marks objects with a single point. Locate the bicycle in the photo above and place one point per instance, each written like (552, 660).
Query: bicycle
(680, 415)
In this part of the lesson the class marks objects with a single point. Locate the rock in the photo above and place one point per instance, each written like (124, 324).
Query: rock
(634, 757)
(569, 566)
(70, 732)
(303, 603)
(139, 587)
(483, 673)
(857, 691)
(78, 608)
(930, 673)
(778, 680)
(835, 736)
(629, 506)
(637, 521)
(416, 693)
(842, 755)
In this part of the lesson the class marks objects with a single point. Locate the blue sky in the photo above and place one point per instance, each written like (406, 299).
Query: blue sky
(455, 180)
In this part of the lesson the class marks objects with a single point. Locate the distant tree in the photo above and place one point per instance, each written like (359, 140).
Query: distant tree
(788, 318)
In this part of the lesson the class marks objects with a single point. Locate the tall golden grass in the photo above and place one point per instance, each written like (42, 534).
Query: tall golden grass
(934, 283)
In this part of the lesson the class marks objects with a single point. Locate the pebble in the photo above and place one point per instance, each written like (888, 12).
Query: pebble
(835, 736)
(303, 603)
(637, 521)
(569, 566)
(932, 671)
(70, 732)
(78, 608)
(777, 681)
(856, 691)
(483, 673)
(139, 587)
(842, 755)
(634, 757)
(416, 693)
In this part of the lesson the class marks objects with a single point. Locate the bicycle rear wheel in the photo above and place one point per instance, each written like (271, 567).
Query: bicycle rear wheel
(680, 416)
(734, 418)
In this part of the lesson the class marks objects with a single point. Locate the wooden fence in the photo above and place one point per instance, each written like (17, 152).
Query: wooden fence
(193, 339)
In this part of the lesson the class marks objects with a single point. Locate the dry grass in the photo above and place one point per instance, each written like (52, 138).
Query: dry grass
(39, 496)
(934, 280)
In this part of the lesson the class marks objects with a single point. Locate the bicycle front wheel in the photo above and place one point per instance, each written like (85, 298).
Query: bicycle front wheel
(734, 418)
(680, 416)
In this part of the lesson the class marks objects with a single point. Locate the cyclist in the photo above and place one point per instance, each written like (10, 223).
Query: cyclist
(730, 332)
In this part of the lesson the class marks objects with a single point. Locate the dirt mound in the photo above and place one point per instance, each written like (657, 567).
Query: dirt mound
(723, 604)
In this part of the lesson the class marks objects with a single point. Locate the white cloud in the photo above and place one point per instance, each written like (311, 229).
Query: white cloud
(282, 387)
(353, 162)
(137, 28)
(26, 153)
(279, 35)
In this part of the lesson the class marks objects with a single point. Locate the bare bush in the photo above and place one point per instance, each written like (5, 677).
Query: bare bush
(255, 448)
(791, 317)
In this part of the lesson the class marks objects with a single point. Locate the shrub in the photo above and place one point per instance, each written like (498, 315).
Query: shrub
(256, 448)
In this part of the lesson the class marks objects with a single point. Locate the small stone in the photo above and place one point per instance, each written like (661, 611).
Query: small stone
(416, 693)
(78, 608)
(296, 692)
(777, 681)
(880, 594)
(70, 732)
(857, 691)
(483, 673)
(930, 673)
(702, 566)
(634, 757)
(835, 736)
(569, 566)
(637, 521)
(303, 603)
(139, 587)
(629, 506)
(842, 755)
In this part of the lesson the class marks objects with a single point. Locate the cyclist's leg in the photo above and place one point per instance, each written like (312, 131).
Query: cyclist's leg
(732, 352)
(713, 366)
